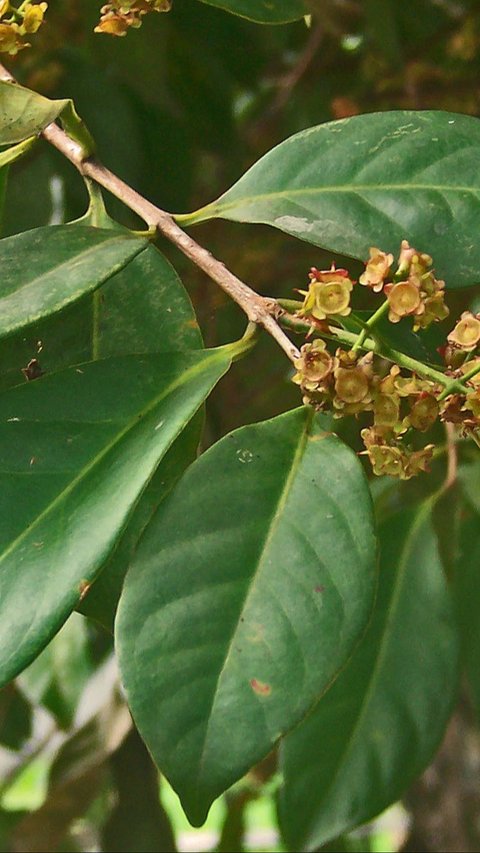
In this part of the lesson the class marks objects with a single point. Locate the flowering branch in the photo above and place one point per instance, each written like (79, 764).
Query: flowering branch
(259, 309)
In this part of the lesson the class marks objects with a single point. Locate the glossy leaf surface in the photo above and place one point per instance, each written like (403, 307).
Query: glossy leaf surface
(377, 728)
(76, 450)
(371, 180)
(264, 11)
(247, 594)
(46, 269)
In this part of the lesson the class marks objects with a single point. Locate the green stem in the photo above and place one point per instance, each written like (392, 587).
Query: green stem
(370, 323)
(371, 345)
(455, 384)
(239, 348)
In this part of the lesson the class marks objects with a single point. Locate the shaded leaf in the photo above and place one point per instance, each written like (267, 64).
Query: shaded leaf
(247, 594)
(371, 180)
(76, 450)
(15, 717)
(264, 11)
(58, 675)
(15, 152)
(78, 770)
(46, 269)
(377, 728)
(137, 823)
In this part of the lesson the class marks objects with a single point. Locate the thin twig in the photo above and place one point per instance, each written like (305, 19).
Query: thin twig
(452, 456)
(259, 309)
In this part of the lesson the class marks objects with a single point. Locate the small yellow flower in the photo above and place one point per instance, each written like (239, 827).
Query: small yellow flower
(11, 39)
(376, 270)
(404, 300)
(328, 294)
(33, 17)
(466, 334)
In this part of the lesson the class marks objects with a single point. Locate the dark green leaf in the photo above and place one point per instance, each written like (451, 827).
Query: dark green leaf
(264, 11)
(137, 823)
(102, 600)
(142, 308)
(76, 450)
(248, 592)
(24, 113)
(15, 718)
(378, 726)
(371, 180)
(58, 675)
(45, 270)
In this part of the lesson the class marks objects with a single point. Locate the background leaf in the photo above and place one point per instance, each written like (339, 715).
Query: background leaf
(247, 594)
(371, 180)
(76, 450)
(379, 725)
(264, 11)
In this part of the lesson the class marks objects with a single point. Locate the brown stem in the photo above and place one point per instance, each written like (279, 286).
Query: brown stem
(258, 309)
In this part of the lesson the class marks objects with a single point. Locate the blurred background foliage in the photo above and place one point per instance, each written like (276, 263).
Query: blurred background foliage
(180, 109)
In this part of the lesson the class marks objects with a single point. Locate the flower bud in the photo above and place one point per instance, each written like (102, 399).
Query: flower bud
(424, 412)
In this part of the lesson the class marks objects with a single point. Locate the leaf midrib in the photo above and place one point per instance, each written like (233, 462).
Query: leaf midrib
(136, 421)
(355, 189)
(78, 257)
(274, 520)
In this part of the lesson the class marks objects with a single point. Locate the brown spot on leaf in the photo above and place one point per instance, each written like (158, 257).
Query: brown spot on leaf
(83, 588)
(259, 687)
(320, 588)
(33, 460)
(32, 370)
(319, 436)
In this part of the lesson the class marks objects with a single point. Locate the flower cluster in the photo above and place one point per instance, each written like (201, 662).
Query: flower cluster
(414, 291)
(118, 16)
(18, 23)
(347, 384)
(400, 403)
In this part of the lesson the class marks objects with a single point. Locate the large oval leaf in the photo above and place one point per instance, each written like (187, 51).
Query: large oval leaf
(76, 450)
(371, 180)
(379, 725)
(46, 269)
(24, 113)
(145, 308)
(264, 11)
(248, 592)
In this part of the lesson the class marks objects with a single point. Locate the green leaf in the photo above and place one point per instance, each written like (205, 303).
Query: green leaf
(15, 718)
(264, 11)
(47, 269)
(247, 594)
(379, 725)
(58, 675)
(76, 450)
(371, 180)
(136, 823)
(13, 153)
(24, 113)
(142, 308)
(102, 600)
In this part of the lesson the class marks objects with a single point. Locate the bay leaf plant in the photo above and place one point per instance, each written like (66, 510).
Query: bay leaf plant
(260, 601)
